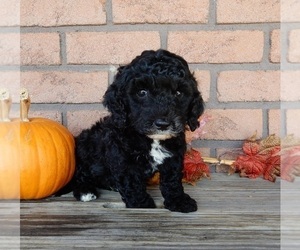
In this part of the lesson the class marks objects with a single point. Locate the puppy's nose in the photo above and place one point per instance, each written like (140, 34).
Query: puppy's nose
(162, 124)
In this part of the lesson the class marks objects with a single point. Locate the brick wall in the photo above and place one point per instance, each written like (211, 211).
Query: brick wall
(70, 51)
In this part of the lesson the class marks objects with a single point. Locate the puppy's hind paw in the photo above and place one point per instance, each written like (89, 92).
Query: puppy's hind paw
(88, 197)
(85, 194)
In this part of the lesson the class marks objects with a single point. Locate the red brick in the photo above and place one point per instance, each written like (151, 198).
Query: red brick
(290, 86)
(294, 46)
(275, 46)
(108, 47)
(203, 79)
(83, 119)
(10, 12)
(65, 87)
(226, 154)
(204, 151)
(156, 11)
(290, 10)
(63, 12)
(40, 48)
(218, 46)
(9, 49)
(248, 11)
(52, 115)
(293, 121)
(242, 85)
(274, 121)
(233, 124)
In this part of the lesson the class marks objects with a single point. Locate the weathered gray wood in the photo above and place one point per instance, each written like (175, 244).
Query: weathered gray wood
(234, 213)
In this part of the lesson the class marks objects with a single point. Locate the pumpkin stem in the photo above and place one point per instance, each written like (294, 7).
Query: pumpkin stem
(24, 105)
(5, 104)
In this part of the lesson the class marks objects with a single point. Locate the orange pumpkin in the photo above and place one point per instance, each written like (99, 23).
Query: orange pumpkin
(36, 158)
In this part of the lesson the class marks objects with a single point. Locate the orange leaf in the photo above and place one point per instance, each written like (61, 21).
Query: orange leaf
(154, 180)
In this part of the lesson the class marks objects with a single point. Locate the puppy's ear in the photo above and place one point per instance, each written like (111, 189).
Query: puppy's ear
(115, 101)
(196, 109)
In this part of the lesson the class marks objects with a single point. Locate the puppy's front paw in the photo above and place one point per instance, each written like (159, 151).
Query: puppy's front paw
(184, 204)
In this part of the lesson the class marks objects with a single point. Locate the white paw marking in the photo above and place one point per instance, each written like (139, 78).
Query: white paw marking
(88, 197)
(158, 153)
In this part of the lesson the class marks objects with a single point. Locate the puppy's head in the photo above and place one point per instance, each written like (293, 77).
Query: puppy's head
(156, 94)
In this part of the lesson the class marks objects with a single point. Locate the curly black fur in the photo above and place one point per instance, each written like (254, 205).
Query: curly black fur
(151, 101)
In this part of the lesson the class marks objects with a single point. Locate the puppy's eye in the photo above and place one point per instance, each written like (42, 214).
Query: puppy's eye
(142, 93)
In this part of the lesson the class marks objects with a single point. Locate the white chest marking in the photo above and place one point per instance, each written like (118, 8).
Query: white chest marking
(158, 153)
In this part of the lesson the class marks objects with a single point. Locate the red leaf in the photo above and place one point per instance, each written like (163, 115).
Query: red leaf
(249, 166)
(290, 163)
(261, 158)
(252, 164)
(251, 148)
(194, 167)
(272, 168)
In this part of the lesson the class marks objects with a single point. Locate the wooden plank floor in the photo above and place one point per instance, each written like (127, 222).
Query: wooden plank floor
(233, 213)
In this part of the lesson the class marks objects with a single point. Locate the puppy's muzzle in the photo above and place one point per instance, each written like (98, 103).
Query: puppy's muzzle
(162, 124)
(163, 128)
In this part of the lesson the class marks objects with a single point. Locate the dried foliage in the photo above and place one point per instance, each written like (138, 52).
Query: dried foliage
(260, 158)
(194, 167)
(269, 158)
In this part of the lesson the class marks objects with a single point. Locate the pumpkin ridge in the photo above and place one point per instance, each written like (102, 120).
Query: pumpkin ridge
(10, 180)
(66, 135)
(52, 145)
(62, 136)
(62, 181)
(27, 133)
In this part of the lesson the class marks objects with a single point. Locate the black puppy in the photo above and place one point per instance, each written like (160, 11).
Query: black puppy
(151, 101)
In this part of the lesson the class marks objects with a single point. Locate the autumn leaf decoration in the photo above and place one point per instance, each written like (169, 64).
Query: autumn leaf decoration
(260, 158)
(194, 167)
(290, 158)
(268, 158)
